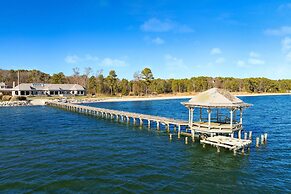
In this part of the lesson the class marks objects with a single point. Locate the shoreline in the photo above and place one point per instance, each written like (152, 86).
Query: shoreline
(170, 97)
(41, 101)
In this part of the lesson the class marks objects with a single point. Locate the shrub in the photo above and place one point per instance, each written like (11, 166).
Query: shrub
(6, 98)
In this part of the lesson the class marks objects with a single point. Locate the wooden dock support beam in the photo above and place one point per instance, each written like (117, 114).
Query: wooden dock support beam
(257, 142)
(186, 140)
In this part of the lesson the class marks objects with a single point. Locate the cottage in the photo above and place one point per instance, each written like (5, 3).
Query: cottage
(40, 89)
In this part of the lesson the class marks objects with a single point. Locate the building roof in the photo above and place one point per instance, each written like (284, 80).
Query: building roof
(41, 86)
(216, 98)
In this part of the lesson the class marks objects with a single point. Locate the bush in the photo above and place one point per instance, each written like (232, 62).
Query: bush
(6, 98)
(18, 98)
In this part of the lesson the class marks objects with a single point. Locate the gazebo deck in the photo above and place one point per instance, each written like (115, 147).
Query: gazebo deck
(215, 127)
(227, 142)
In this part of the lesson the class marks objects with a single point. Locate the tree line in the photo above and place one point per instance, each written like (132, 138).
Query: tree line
(144, 83)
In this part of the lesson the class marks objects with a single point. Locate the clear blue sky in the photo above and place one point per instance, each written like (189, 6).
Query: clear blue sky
(176, 39)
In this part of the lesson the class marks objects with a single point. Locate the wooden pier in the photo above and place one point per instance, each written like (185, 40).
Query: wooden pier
(182, 127)
(129, 117)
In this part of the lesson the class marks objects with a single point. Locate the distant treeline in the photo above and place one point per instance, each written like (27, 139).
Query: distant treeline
(144, 83)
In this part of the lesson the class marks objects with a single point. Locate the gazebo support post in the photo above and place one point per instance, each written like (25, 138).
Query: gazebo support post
(200, 118)
(191, 116)
(209, 117)
(231, 118)
(240, 116)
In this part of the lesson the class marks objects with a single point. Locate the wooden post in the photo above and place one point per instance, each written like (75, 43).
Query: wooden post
(209, 117)
(140, 121)
(234, 152)
(257, 142)
(134, 121)
(193, 135)
(218, 149)
(186, 140)
(239, 134)
(250, 135)
(149, 123)
(170, 135)
(240, 116)
(245, 135)
(231, 118)
(231, 135)
(200, 118)
(265, 137)
(158, 125)
(243, 150)
(203, 145)
(179, 131)
(262, 139)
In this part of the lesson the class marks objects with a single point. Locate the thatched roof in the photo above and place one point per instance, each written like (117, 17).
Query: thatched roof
(216, 98)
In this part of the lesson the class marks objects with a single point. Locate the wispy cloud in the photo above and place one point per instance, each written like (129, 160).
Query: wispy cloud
(220, 60)
(286, 44)
(281, 31)
(158, 41)
(215, 51)
(94, 60)
(72, 59)
(254, 58)
(156, 25)
(286, 48)
(255, 61)
(113, 62)
(172, 61)
(285, 6)
(254, 54)
(241, 63)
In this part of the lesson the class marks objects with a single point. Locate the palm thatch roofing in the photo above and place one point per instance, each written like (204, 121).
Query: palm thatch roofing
(217, 98)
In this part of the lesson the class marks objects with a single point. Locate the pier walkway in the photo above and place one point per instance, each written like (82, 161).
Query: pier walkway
(128, 117)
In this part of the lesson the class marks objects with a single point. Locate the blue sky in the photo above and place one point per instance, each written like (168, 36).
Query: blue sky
(176, 39)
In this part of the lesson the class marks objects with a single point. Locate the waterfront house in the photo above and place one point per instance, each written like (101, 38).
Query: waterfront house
(41, 89)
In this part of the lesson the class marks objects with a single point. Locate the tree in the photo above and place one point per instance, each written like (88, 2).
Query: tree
(137, 85)
(92, 85)
(147, 76)
(112, 79)
(76, 74)
(58, 78)
(124, 87)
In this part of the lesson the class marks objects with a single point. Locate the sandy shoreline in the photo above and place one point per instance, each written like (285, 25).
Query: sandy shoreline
(40, 101)
(127, 99)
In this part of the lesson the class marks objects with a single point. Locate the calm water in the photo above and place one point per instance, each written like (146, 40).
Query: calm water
(43, 149)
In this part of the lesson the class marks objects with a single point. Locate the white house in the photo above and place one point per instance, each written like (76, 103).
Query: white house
(40, 89)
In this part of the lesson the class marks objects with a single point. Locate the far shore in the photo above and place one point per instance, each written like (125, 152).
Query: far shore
(162, 97)
(84, 99)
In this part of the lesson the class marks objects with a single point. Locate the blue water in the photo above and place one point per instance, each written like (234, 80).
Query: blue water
(43, 149)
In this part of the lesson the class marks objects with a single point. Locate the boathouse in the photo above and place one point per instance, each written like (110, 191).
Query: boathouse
(40, 89)
(216, 112)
